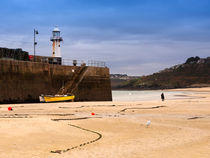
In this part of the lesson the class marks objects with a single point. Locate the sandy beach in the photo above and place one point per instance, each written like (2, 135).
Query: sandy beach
(180, 128)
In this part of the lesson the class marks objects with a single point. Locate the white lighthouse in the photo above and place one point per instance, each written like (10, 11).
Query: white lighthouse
(56, 39)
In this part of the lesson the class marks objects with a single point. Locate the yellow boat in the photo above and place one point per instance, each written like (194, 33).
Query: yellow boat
(56, 98)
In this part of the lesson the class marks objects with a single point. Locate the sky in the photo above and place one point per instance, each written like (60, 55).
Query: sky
(134, 37)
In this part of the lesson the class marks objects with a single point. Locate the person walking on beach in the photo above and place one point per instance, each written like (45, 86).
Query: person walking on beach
(162, 97)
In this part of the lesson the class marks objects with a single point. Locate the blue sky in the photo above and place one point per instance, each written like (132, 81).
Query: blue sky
(136, 37)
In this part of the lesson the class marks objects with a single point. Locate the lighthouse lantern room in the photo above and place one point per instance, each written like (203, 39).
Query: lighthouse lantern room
(56, 39)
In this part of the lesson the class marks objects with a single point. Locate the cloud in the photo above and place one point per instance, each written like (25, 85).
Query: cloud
(135, 37)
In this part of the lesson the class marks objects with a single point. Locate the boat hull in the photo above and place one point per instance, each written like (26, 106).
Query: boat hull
(48, 99)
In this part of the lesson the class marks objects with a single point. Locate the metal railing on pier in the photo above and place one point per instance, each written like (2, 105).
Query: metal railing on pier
(94, 63)
(57, 61)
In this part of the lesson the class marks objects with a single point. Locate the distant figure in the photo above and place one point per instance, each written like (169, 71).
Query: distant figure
(162, 97)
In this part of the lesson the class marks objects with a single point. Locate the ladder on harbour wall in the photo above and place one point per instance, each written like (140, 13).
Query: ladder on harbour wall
(71, 86)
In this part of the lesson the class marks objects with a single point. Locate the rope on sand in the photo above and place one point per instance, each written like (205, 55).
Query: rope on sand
(143, 108)
(89, 142)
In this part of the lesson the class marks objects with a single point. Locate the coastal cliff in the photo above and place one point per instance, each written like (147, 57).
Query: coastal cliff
(195, 72)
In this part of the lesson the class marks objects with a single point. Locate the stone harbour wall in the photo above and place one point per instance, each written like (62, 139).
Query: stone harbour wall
(24, 81)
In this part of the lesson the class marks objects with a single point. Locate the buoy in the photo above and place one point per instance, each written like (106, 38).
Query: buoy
(10, 108)
(92, 113)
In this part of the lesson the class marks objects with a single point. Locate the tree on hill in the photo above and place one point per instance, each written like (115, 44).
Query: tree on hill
(192, 60)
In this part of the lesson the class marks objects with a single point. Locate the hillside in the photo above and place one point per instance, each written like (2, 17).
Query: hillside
(195, 72)
(118, 80)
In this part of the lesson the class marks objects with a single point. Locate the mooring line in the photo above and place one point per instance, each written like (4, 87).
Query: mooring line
(83, 144)
(143, 108)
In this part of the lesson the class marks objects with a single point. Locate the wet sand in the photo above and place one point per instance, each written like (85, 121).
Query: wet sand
(179, 128)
